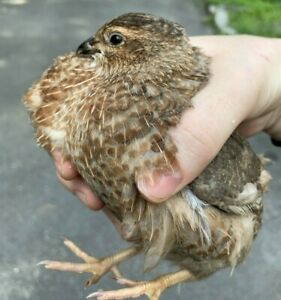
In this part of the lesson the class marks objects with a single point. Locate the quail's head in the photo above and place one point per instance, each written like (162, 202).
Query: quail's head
(134, 41)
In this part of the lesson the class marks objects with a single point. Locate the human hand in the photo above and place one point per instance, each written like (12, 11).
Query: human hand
(244, 91)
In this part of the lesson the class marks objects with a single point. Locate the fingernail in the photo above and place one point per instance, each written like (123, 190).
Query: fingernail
(66, 164)
(65, 168)
(159, 187)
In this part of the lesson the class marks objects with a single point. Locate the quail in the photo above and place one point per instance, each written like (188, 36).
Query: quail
(108, 108)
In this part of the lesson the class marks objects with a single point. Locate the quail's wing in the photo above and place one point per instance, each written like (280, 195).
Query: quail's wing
(235, 180)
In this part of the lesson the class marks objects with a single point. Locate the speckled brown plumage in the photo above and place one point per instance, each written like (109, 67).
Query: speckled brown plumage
(109, 107)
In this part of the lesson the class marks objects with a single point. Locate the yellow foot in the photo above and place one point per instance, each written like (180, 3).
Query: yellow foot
(98, 267)
(152, 289)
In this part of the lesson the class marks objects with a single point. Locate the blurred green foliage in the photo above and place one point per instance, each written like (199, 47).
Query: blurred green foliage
(260, 17)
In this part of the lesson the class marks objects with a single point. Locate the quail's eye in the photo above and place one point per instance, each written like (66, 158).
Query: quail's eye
(116, 39)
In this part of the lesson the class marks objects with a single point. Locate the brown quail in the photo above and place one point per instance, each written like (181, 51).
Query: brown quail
(108, 107)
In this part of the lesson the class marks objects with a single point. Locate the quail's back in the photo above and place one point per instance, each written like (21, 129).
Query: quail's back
(108, 107)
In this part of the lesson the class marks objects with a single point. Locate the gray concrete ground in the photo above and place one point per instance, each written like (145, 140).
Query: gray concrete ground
(36, 212)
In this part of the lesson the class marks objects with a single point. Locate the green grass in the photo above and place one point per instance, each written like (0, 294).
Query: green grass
(259, 17)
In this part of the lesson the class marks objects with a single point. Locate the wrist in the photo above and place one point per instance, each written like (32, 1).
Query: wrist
(272, 53)
(271, 93)
(265, 70)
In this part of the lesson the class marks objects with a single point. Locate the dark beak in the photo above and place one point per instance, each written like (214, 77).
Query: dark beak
(87, 47)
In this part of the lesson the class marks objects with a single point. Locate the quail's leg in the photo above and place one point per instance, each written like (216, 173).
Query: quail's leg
(98, 267)
(152, 289)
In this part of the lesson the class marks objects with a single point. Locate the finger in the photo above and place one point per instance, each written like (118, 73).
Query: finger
(202, 131)
(78, 187)
(64, 167)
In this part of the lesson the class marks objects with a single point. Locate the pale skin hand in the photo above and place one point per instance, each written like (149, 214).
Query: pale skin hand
(244, 91)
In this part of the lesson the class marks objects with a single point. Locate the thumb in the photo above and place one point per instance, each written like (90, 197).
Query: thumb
(200, 135)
